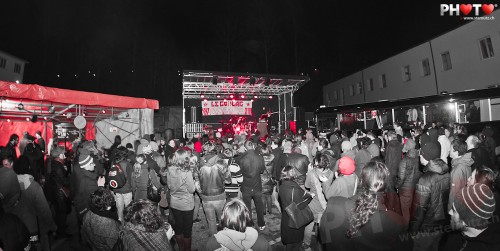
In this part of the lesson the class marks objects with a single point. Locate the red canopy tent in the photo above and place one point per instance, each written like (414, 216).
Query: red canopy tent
(30, 108)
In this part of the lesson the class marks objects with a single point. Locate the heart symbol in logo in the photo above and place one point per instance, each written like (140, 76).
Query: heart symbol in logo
(465, 8)
(487, 8)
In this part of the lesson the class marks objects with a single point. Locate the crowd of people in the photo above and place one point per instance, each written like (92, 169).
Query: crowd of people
(422, 189)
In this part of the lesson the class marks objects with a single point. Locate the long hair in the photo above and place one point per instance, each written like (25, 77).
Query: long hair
(143, 213)
(321, 161)
(288, 173)
(236, 216)
(181, 159)
(373, 178)
(102, 199)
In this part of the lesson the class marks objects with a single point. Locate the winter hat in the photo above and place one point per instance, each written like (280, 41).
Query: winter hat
(57, 151)
(9, 188)
(410, 144)
(346, 145)
(431, 150)
(84, 159)
(346, 165)
(374, 150)
(475, 204)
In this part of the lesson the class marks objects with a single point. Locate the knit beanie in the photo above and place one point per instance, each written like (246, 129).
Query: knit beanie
(410, 144)
(475, 204)
(9, 188)
(431, 150)
(346, 145)
(374, 150)
(84, 159)
(346, 165)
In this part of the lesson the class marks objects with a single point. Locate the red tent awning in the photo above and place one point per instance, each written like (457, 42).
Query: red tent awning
(42, 93)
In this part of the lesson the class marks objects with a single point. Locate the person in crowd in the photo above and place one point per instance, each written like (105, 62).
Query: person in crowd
(297, 161)
(8, 162)
(181, 184)
(30, 204)
(363, 156)
(335, 145)
(363, 222)
(123, 195)
(472, 217)
(86, 181)
(10, 147)
(13, 233)
(40, 141)
(483, 176)
(343, 183)
(252, 165)
(267, 179)
(170, 148)
(101, 228)
(278, 164)
(141, 176)
(35, 157)
(431, 199)
(233, 189)
(393, 155)
(461, 168)
(24, 141)
(213, 175)
(146, 149)
(398, 129)
(408, 176)
(319, 167)
(479, 154)
(488, 142)
(162, 146)
(194, 162)
(346, 147)
(144, 229)
(237, 232)
(290, 191)
(445, 143)
(112, 150)
(57, 189)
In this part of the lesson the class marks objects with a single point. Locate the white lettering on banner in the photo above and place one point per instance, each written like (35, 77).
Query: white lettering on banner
(226, 107)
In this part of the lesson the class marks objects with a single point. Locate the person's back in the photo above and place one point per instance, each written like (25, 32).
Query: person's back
(252, 165)
(300, 163)
(393, 155)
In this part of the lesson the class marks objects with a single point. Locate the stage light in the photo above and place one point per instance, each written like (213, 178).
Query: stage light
(220, 129)
(52, 109)
(225, 100)
(45, 118)
(251, 100)
(205, 100)
(242, 96)
(20, 106)
(231, 96)
(214, 80)
(103, 111)
(202, 96)
(270, 97)
(255, 96)
(218, 96)
(27, 119)
(8, 120)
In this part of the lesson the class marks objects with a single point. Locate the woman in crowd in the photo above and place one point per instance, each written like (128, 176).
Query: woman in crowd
(181, 184)
(364, 223)
(101, 227)
(290, 191)
(140, 177)
(237, 232)
(144, 230)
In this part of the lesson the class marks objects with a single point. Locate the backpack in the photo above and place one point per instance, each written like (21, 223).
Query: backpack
(117, 177)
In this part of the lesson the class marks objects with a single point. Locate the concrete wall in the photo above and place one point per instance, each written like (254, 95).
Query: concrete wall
(344, 86)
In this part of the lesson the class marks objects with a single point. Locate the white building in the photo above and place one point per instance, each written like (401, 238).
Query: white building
(467, 58)
(11, 68)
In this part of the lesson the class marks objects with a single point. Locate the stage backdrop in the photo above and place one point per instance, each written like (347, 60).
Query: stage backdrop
(226, 107)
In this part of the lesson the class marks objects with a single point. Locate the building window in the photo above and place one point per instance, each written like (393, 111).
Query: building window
(486, 48)
(328, 99)
(335, 95)
(17, 68)
(369, 84)
(406, 73)
(3, 62)
(426, 69)
(351, 90)
(383, 82)
(446, 61)
(359, 86)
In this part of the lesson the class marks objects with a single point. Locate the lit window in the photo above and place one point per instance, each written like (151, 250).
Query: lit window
(486, 48)
(17, 68)
(426, 70)
(445, 57)
(383, 82)
(3, 62)
(369, 84)
(406, 73)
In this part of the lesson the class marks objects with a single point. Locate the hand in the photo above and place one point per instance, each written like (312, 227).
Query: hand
(101, 181)
(322, 178)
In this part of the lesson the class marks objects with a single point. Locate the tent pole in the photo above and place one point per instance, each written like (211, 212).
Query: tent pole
(279, 114)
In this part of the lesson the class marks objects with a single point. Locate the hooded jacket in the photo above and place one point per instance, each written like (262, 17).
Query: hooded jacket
(85, 184)
(408, 173)
(433, 190)
(460, 172)
(213, 175)
(228, 239)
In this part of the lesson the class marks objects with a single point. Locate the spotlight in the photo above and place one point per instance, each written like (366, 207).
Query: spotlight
(214, 80)
(231, 96)
(218, 96)
(27, 119)
(8, 120)
(242, 96)
(270, 97)
(34, 118)
(202, 96)
(255, 96)
(205, 100)
(52, 109)
(103, 111)
(20, 106)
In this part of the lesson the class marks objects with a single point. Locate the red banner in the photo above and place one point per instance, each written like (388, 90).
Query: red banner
(226, 107)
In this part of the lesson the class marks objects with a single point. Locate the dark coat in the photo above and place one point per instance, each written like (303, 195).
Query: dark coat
(57, 187)
(409, 172)
(100, 232)
(393, 155)
(485, 241)
(291, 235)
(86, 183)
(300, 162)
(431, 199)
(13, 233)
(252, 165)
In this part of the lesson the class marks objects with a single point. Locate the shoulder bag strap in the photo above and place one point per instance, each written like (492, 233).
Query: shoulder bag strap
(355, 186)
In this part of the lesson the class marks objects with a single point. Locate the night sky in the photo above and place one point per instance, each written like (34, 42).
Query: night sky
(137, 48)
